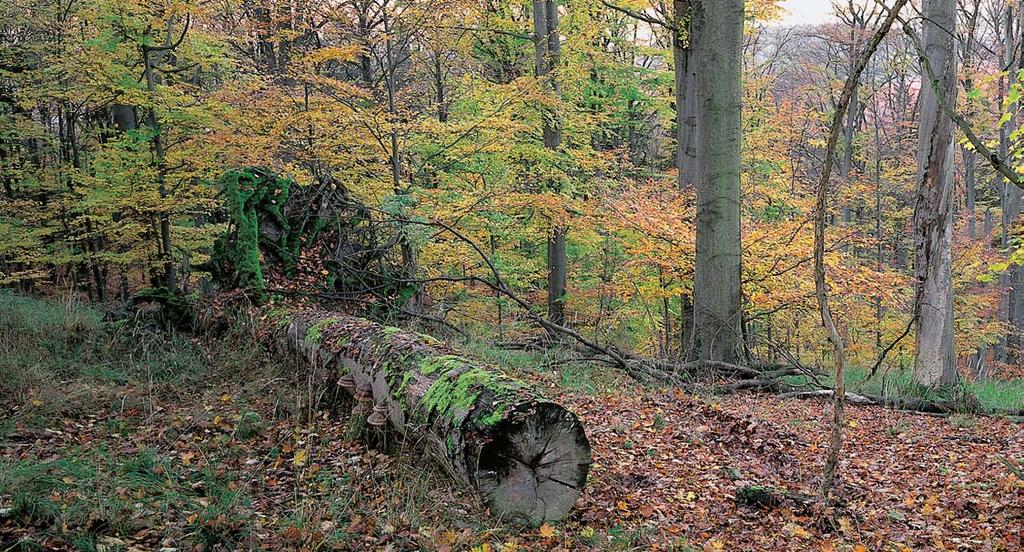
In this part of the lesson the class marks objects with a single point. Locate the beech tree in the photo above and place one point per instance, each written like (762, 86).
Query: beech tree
(1006, 26)
(548, 49)
(935, 363)
(717, 36)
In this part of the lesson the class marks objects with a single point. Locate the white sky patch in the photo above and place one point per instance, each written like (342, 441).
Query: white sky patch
(806, 12)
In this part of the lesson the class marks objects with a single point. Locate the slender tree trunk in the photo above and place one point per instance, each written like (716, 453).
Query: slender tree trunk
(164, 220)
(853, 113)
(685, 325)
(978, 359)
(547, 52)
(935, 363)
(1013, 280)
(442, 101)
(363, 30)
(717, 294)
(685, 91)
(540, 34)
(557, 274)
(878, 225)
(553, 130)
(971, 191)
(6, 161)
(849, 135)
(389, 69)
(820, 287)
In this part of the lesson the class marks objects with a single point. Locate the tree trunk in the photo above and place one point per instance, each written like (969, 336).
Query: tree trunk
(170, 280)
(717, 295)
(547, 52)
(557, 273)
(971, 190)
(686, 100)
(390, 72)
(124, 117)
(935, 362)
(878, 224)
(526, 457)
(1013, 280)
(968, 154)
(439, 92)
(685, 325)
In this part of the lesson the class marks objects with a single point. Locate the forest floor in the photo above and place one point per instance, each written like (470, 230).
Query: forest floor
(213, 450)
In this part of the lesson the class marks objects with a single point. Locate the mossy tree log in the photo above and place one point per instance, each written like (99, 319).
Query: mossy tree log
(526, 457)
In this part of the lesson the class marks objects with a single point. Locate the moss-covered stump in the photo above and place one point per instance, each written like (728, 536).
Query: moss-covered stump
(526, 457)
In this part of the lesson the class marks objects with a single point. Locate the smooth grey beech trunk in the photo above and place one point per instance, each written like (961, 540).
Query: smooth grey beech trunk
(547, 52)
(717, 34)
(935, 363)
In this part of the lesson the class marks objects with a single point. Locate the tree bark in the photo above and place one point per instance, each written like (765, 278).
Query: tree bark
(547, 53)
(170, 279)
(439, 88)
(969, 155)
(557, 275)
(935, 362)
(684, 67)
(526, 457)
(971, 191)
(1013, 280)
(124, 117)
(717, 294)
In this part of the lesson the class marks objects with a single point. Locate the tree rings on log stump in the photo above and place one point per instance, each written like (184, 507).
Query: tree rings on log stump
(536, 464)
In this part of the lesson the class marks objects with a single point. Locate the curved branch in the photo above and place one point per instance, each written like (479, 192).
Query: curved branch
(992, 157)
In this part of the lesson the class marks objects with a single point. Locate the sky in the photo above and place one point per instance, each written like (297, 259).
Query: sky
(806, 12)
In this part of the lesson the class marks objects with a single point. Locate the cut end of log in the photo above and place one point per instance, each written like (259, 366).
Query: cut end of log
(536, 465)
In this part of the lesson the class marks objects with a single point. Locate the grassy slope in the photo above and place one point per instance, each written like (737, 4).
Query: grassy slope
(118, 433)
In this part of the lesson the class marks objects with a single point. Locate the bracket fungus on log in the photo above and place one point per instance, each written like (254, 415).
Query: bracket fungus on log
(526, 457)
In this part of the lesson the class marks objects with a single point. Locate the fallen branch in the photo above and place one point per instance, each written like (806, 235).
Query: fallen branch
(759, 496)
(760, 384)
(851, 398)
(908, 404)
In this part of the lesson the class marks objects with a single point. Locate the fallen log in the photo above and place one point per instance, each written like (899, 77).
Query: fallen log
(526, 457)
(966, 405)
